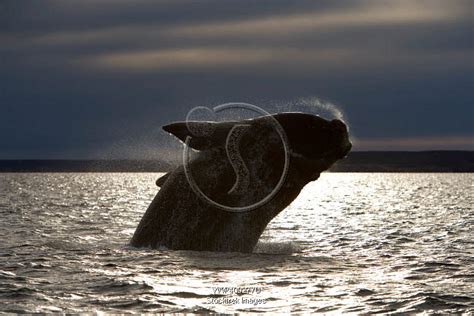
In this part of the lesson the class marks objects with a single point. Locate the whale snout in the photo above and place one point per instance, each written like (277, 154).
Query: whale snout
(338, 125)
(341, 138)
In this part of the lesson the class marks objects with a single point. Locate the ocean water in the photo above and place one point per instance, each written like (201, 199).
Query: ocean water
(351, 243)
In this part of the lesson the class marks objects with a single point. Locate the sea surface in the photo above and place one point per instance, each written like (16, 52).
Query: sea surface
(351, 243)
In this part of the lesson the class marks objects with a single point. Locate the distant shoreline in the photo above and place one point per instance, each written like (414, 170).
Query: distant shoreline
(362, 161)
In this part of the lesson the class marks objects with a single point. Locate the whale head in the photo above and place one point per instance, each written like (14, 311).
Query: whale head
(315, 143)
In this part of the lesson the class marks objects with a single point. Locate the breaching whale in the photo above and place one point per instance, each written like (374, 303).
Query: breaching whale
(242, 174)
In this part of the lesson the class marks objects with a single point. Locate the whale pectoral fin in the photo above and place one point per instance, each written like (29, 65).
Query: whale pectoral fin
(161, 180)
(202, 135)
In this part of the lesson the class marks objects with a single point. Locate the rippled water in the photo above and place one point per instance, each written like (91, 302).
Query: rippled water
(350, 243)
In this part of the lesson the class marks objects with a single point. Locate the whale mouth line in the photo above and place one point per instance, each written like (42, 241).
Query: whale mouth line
(327, 159)
(338, 153)
(345, 151)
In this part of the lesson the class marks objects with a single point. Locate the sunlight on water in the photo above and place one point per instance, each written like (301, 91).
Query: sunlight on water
(350, 243)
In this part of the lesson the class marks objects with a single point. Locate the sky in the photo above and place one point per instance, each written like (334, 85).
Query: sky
(84, 79)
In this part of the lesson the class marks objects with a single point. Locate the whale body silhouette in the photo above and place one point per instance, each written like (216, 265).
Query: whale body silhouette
(270, 159)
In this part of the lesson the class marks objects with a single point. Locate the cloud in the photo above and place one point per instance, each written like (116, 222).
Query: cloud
(271, 60)
(207, 58)
(279, 27)
(368, 35)
(85, 70)
(382, 13)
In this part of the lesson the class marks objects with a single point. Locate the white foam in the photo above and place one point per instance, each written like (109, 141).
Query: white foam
(280, 248)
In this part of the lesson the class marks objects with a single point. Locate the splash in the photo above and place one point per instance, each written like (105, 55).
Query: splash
(312, 105)
(277, 248)
(323, 106)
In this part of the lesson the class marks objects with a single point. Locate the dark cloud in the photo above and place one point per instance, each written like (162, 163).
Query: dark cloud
(53, 15)
(97, 78)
